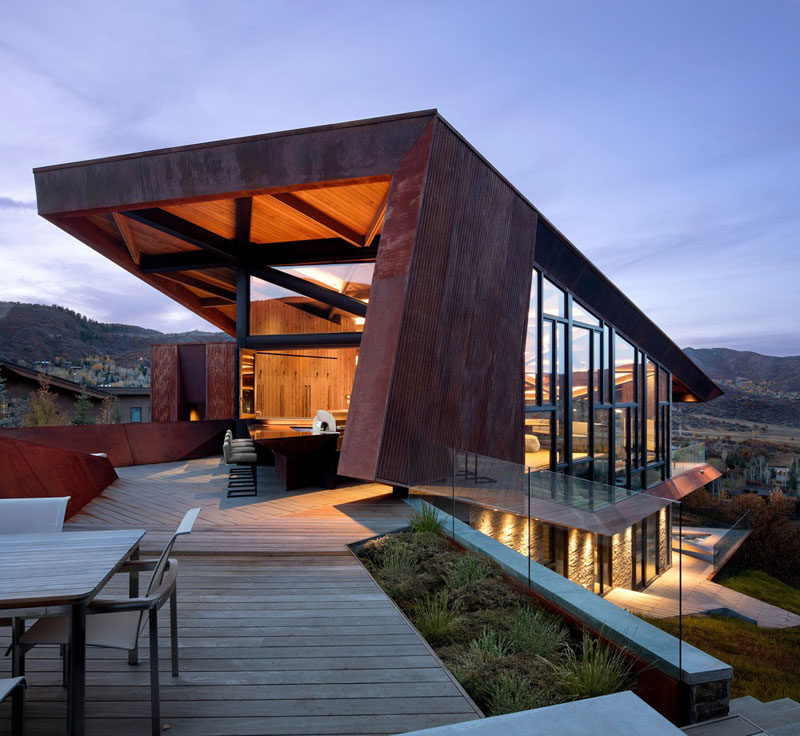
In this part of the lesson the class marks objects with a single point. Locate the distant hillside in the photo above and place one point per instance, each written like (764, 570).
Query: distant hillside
(779, 374)
(760, 389)
(36, 332)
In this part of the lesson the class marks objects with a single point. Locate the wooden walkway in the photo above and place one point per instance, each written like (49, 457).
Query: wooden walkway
(281, 629)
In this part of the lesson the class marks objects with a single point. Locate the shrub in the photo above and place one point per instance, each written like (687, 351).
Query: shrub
(491, 643)
(598, 671)
(469, 569)
(399, 559)
(509, 694)
(435, 616)
(538, 633)
(426, 520)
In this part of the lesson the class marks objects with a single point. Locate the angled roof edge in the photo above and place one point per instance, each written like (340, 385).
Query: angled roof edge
(241, 139)
(57, 199)
(688, 366)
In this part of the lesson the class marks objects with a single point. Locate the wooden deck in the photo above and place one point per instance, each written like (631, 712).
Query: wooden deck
(281, 629)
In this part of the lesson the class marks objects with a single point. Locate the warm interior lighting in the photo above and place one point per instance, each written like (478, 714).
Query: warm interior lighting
(194, 415)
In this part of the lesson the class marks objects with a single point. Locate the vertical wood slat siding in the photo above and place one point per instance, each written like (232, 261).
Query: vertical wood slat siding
(458, 368)
(164, 383)
(361, 445)
(297, 383)
(220, 380)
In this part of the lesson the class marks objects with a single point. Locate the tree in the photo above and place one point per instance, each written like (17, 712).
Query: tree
(793, 479)
(757, 471)
(83, 406)
(42, 408)
(109, 411)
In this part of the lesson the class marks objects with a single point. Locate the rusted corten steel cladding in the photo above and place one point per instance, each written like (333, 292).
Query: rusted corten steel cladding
(441, 355)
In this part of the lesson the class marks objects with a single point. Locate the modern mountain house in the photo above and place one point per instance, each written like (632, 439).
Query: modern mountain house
(384, 271)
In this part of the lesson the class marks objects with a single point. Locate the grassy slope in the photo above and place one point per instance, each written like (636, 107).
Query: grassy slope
(764, 661)
(764, 587)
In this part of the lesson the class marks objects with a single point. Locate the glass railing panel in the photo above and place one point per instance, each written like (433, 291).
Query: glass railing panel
(687, 457)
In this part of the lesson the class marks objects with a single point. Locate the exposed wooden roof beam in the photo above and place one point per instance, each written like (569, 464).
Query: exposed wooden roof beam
(244, 218)
(127, 236)
(320, 217)
(303, 252)
(184, 230)
(214, 301)
(202, 285)
(375, 225)
(291, 253)
(309, 289)
(192, 260)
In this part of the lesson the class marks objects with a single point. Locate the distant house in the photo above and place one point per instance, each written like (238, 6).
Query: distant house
(134, 403)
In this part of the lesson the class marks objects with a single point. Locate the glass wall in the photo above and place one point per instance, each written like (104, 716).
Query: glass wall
(277, 310)
(596, 405)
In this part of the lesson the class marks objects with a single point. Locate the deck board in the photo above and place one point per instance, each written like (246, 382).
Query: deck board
(281, 629)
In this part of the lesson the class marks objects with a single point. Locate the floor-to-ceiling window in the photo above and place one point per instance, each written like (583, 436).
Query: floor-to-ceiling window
(596, 406)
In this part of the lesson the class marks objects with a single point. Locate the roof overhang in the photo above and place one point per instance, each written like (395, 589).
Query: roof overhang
(182, 219)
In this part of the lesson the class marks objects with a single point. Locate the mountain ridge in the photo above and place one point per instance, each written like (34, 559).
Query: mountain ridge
(37, 332)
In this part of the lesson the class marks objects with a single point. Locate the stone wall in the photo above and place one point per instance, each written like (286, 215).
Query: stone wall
(664, 541)
(621, 569)
(581, 555)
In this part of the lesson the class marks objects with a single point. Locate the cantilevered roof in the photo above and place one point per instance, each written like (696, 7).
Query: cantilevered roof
(183, 219)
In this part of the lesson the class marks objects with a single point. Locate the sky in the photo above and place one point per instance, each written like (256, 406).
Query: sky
(662, 138)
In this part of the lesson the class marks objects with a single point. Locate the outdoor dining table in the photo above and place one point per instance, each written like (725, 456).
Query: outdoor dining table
(59, 573)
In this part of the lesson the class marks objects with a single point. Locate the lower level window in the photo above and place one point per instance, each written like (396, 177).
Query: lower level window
(136, 413)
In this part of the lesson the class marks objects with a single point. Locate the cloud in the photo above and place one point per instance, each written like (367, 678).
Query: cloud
(7, 203)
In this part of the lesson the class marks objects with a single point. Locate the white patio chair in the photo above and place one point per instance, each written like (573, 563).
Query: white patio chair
(31, 515)
(15, 687)
(118, 623)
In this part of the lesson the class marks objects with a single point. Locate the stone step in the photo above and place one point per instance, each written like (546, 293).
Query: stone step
(783, 714)
(726, 726)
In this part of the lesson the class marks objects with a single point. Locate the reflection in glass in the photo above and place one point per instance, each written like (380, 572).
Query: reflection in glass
(621, 446)
(580, 393)
(601, 445)
(597, 373)
(531, 347)
(561, 391)
(553, 299)
(650, 423)
(547, 362)
(608, 374)
(538, 441)
(651, 547)
(653, 476)
(624, 367)
(664, 387)
(579, 314)
(278, 311)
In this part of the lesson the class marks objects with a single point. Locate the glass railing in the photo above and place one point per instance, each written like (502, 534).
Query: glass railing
(687, 457)
(724, 546)
(543, 527)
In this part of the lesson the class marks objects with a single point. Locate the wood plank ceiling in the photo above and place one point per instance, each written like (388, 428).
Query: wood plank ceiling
(351, 212)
